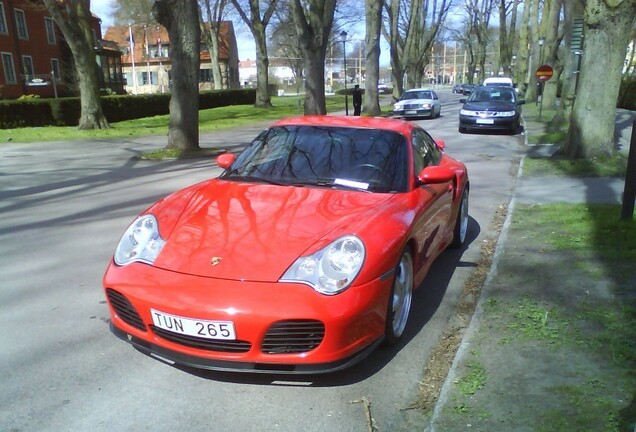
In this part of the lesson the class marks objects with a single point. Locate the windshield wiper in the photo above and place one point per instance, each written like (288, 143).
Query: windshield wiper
(331, 183)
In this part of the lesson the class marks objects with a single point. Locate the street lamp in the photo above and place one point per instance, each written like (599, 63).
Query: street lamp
(343, 37)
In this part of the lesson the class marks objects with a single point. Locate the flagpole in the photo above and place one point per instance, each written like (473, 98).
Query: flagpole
(132, 57)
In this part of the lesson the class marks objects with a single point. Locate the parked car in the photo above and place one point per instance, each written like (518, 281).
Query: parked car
(301, 257)
(420, 102)
(457, 88)
(490, 107)
(384, 89)
(467, 88)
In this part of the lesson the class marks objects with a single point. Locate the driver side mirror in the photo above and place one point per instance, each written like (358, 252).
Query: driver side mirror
(440, 143)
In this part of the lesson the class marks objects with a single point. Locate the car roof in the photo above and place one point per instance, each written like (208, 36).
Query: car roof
(418, 89)
(400, 126)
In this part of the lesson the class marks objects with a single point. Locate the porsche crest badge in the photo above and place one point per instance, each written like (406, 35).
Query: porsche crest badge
(215, 261)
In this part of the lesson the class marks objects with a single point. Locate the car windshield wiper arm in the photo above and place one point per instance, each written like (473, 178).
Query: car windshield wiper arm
(331, 183)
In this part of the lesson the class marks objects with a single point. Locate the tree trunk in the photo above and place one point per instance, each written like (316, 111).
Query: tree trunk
(211, 38)
(257, 26)
(313, 24)
(181, 19)
(607, 31)
(76, 30)
(523, 54)
(263, 98)
(532, 93)
(373, 13)
(550, 24)
(573, 10)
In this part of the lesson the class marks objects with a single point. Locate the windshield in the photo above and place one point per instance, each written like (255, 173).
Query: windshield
(488, 94)
(363, 159)
(417, 95)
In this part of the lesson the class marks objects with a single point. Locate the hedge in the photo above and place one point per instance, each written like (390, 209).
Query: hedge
(29, 112)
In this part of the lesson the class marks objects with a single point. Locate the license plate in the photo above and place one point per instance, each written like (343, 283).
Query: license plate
(411, 112)
(194, 327)
(485, 121)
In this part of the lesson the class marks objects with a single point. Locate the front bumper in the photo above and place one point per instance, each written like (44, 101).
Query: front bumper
(353, 320)
(498, 123)
(419, 112)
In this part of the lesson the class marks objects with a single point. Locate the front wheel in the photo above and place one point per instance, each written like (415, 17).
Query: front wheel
(461, 223)
(400, 299)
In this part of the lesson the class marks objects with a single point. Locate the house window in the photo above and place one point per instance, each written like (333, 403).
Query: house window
(50, 30)
(55, 68)
(3, 20)
(27, 65)
(205, 75)
(9, 68)
(20, 22)
(144, 78)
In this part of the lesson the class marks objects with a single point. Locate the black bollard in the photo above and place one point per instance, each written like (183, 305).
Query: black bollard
(629, 193)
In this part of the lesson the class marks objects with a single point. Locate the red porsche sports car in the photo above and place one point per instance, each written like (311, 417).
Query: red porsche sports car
(301, 257)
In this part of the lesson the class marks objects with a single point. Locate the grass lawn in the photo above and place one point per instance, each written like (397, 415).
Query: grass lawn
(209, 120)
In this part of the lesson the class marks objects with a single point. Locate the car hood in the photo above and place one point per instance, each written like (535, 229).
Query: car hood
(490, 106)
(244, 231)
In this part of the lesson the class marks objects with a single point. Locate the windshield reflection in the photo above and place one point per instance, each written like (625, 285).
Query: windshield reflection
(363, 159)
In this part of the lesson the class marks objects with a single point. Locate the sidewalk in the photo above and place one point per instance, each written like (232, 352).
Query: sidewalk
(543, 351)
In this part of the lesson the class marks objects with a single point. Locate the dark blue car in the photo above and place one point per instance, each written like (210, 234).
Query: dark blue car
(491, 108)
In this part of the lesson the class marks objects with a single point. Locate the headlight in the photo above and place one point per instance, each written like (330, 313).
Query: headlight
(331, 269)
(426, 106)
(140, 242)
(397, 107)
(506, 114)
(468, 112)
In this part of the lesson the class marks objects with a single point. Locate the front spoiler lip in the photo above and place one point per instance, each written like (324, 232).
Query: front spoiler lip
(235, 366)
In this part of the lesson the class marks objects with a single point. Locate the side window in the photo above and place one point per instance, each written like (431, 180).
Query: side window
(21, 24)
(3, 20)
(49, 25)
(425, 152)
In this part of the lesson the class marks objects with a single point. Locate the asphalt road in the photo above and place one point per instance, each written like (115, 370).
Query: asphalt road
(63, 207)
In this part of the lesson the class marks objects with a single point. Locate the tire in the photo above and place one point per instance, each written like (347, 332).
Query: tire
(461, 223)
(399, 304)
(462, 129)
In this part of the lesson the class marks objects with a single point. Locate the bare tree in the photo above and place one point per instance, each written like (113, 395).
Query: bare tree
(313, 20)
(74, 23)
(181, 19)
(507, 34)
(373, 13)
(608, 29)
(412, 30)
(258, 26)
(210, 30)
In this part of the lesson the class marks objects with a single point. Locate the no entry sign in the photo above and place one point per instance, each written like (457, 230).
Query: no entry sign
(544, 72)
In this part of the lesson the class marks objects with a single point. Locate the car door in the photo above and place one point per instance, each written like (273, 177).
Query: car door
(433, 208)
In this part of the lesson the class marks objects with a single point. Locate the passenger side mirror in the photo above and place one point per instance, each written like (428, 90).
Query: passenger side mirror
(436, 174)
(225, 160)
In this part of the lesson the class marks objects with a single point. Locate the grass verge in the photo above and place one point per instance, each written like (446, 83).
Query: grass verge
(555, 349)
